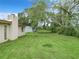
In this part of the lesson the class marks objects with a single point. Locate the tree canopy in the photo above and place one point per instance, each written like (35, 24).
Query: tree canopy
(63, 13)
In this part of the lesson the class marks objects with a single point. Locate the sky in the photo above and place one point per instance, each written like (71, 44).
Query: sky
(13, 6)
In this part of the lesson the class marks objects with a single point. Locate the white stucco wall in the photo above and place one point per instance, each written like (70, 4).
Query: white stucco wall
(20, 32)
(13, 27)
(2, 33)
(8, 32)
(13, 31)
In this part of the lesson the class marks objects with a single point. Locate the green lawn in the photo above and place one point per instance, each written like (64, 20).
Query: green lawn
(41, 46)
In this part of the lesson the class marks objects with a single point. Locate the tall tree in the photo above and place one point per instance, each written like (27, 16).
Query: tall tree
(37, 12)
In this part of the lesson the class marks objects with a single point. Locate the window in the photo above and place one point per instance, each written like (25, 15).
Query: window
(5, 32)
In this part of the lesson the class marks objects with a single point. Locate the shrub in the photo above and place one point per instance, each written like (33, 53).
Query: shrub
(70, 31)
(65, 30)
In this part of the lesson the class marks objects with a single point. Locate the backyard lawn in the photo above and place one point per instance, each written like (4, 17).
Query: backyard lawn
(41, 45)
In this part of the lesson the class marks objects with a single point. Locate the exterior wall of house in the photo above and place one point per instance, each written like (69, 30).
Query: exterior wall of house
(10, 31)
(20, 32)
(28, 29)
(24, 31)
(13, 27)
(2, 33)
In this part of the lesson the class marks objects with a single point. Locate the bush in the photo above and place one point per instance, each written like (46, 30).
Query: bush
(77, 34)
(54, 27)
(60, 30)
(69, 31)
(54, 30)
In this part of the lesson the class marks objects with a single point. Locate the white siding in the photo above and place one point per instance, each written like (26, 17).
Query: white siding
(20, 33)
(2, 35)
(13, 27)
(28, 29)
(8, 32)
(12, 30)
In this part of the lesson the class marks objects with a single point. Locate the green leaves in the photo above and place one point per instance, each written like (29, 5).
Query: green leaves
(37, 12)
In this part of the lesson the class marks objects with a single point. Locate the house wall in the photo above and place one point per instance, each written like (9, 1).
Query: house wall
(20, 32)
(25, 30)
(28, 29)
(2, 33)
(13, 31)
(8, 32)
(13, 27)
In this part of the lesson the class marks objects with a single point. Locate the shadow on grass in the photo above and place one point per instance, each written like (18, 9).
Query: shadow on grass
(47, 45)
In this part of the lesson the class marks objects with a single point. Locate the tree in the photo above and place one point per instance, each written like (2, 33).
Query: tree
(23, 20)
(64, 17)
(37, 12)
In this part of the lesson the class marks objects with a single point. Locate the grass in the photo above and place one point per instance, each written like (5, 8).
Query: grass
(41, 46)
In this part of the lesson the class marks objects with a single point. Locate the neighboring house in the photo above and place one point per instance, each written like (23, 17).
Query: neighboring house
(28, 29)
(9, 29)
